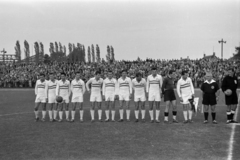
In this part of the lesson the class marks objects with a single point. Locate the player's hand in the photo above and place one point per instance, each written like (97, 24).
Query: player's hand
(130, 96)
(181, 100)
(103, 97)
(217, 98)
(89, 91)
(116, 97)
(161, 95)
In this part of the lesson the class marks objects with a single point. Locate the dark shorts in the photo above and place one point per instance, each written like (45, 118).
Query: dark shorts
(232, 99)
(209, 99)
(169, 95)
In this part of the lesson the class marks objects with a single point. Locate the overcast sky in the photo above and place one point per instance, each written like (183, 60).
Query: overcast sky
(155, 29)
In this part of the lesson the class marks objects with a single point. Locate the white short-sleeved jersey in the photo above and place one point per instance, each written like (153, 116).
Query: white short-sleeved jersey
(185, 89)
(77, 88)
(139, 87)
(40, 89)
(51, 88)
(154, 84)
(124, 86)
(63, 88)
(96, 86)
(109, 86)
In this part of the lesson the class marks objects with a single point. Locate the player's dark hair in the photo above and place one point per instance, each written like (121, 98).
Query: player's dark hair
(124, 71)
(42, 74)
(110, 71)
(154, 68)
(138, 74)
(171, 71)
(77, 72)
(184, 72)
(63, 73)
(51, 73)
(97, 72)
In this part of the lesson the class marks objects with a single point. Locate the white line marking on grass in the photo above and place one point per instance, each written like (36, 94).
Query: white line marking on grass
(231, 141)
(14, 114)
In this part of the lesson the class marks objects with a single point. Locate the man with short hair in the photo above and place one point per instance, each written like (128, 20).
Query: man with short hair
(185, 92)
(139, 86)
(124, 93)
(230, 82)
(95, 94)
(63, 90)
(169, 96)
(109, 95)
(77, 90)
(153, 88)
(51, 97)
(41, 97)
(210, 94)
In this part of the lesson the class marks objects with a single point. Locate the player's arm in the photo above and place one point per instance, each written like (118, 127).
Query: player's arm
(164, 85)
(36, 89)
(46, 90)
(224, 84)
(116, 89)
(192, 88)
(147, 86)
(88, 83)
(178, 90)
(57, 89)
(217, 91)
(71, 88)
(83, 87)
(130, 86)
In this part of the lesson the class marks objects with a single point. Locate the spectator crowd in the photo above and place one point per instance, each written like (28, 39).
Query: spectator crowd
(25, 75)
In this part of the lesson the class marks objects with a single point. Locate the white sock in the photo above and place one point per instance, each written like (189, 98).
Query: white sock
(67, 114)
(36, 114)
(44, 114)
(136, 114)
(113, 115)
(61, 114)
(185, 115)
(151, 114)
(81, 114)
(100, 114)
(92, 114)
(55, 114)
(128, 114)
(174, 117)
(50, 114)
(143, 114)
(190, 114)
(157, 114)
(107, 114)
(73, 115)
(121, 113)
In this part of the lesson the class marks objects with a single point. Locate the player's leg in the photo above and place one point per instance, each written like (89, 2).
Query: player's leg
(157, 111)
(229, 114)
(166, 111)
(174, 111)
(60, 105)
(213, 111)
(99, 104)
(151, 111)
(43, 111)
(190, 113)
(233, 110)
(137, 104)
(66, 107)
(143, 111)
(121, 102)
(112, 103)
(36, 107)
(55, 109)
(128, 110)
(73, 111)
(206, 108)
(185, 113)
(81, 111)
(107, 105)
(50, 111)
(92, 110)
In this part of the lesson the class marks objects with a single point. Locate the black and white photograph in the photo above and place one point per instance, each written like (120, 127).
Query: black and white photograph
(119, 79)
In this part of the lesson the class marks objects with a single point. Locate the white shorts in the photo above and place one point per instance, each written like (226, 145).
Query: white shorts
(186, 99)
(124, 97)
(65, 99)
(40, 99)
(154, 97)
(109, 97)
(52, 99)
(78, 99)
(95, 98)
(141, 98)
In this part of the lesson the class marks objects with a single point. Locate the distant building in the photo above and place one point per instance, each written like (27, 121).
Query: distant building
(210, 57)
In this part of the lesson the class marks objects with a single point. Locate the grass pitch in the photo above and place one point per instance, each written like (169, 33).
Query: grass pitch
(23, 139)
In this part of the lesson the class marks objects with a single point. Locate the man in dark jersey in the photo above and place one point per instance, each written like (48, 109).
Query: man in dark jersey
(230, 82)
(210, 95)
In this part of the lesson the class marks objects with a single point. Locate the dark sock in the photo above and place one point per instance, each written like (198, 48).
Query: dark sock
(232, 116)
(228, 116)
(206, 115)
(166, 114)
(174, 113)
(213, 115)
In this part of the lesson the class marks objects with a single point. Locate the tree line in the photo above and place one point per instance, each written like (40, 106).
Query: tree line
(58, 52)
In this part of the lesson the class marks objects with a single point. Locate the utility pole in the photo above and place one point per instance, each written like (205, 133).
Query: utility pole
(222, 47)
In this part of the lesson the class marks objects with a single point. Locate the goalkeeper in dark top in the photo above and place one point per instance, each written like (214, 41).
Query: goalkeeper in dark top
(229, 88)
(210, 94)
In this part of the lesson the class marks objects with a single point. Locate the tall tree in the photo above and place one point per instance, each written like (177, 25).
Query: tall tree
(64, 50)
(56, 47)
(51, 49)
(98, 58)
(89, 54)
(237, 54)
(70, 51)
(84, 54)
(18, 51)
(27, 51)
(112, 54)
(41, 54)
(108, 56)
(60, 47)
(36, 46)
(93, 53)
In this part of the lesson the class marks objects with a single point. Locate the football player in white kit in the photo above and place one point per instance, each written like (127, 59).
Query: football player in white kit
(139, 86)
(63, 90)
(51, 97)
(40, 92)
(95, 94)
(154, 85)
(77, 89)
(124, 93)
(109, 94)
(185, 92)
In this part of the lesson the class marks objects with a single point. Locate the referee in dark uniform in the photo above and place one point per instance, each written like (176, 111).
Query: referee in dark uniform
(210, 95)
(230, 82)
(169, 95)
